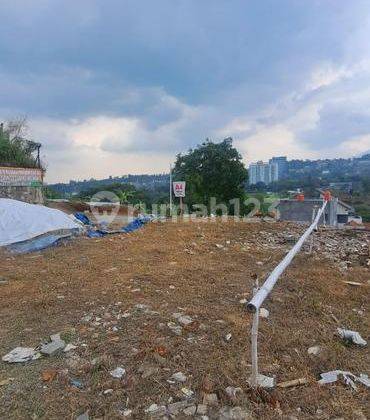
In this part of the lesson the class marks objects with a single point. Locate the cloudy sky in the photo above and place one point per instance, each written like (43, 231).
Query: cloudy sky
(121, 86)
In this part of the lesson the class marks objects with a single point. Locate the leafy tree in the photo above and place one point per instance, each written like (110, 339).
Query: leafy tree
(15, 149)
(212, 170)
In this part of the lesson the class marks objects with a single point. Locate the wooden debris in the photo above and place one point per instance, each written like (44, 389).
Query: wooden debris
(294, 382)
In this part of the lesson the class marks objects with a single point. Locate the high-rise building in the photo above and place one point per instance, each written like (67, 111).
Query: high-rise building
(263, 172)
(282, 163)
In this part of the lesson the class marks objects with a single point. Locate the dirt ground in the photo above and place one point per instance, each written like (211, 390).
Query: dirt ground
(115, 299)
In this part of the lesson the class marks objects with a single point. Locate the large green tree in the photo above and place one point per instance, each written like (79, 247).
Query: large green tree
(212, 170)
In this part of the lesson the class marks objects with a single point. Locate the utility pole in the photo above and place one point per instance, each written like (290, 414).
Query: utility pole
(170, 190)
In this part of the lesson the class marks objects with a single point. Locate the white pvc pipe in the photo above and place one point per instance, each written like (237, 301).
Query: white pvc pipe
(266, 288)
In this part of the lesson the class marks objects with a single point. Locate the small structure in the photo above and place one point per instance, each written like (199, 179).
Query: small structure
(337, 213)
(23, 184)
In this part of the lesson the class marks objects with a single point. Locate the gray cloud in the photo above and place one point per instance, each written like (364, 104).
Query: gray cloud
(159, 77)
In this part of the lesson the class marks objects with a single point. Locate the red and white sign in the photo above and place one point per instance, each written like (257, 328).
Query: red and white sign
(179, 188)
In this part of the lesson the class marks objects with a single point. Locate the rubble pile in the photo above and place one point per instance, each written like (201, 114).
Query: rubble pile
(345, 248)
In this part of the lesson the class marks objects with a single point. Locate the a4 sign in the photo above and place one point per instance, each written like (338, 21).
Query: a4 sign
(179, 188)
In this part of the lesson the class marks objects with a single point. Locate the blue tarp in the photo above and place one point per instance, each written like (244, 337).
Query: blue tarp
(95, 233)
(131, 227)
(136, 224)
(36, 244)
(82, 218)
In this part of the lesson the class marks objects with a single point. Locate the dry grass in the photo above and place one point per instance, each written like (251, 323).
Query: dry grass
(177, 268)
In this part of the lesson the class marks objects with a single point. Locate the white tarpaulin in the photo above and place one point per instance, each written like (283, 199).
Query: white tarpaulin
(22, 221)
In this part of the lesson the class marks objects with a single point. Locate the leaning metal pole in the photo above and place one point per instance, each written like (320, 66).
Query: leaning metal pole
(260, 295)
(266, 288)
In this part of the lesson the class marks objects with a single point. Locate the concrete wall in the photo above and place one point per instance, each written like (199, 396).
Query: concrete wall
(31, 195)
(301, 211)
(24, 184)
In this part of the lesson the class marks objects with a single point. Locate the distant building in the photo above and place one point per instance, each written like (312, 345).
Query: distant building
(263, 172)
(342, 186)
(282, 164)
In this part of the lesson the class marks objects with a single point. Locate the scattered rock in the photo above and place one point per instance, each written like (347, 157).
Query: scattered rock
(190, 411)
(117, 372)
(228, 337)
(69, 347)
(175, 407)
(127, 413)
(157, 410)
(108, 391)
(202, 409)
(314, 350)
(56, 345)
(21, 355)
(185, 320)
(187, 392)
(264, 313)
(179, 377)
(231, 392)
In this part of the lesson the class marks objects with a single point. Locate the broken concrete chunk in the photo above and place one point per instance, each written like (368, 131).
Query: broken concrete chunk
(264, 313)
(117, 372)
(190, 411)
(351, 336)
(265, 381)
(175, 407)
(187, 392)
(55, 337)
(314, 350)
(52, 347)
(185, 320)
(348, 377)
(69, 347)
(232, 391)
(157, 410)
(178, 377)
(21, 355)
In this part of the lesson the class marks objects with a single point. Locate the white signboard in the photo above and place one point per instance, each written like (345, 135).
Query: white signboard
(179, 188)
